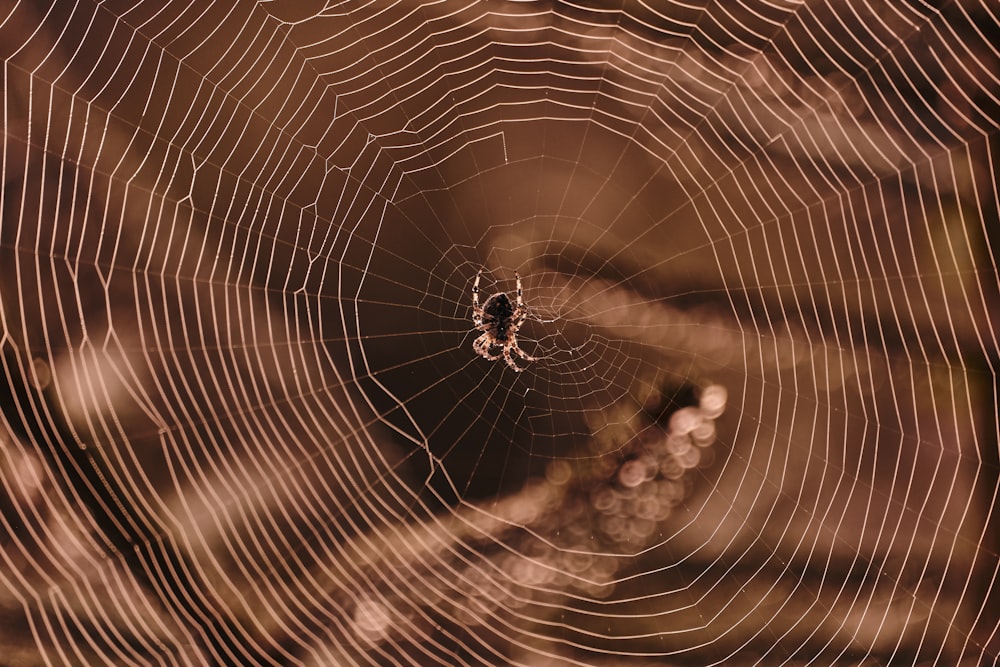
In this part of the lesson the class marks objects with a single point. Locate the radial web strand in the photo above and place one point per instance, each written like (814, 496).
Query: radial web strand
(499, 332)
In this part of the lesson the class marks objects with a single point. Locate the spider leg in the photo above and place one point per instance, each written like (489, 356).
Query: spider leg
(509, 359)
(475, 292)
(520, 292)
(520, 315)
(483, 322)
(521, 353)
(482, 347)
(477, 310)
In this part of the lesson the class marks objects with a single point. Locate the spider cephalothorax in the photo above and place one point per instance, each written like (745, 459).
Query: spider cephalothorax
(499, 319)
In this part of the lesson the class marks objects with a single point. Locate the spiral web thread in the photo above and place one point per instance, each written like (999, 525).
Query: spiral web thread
(244, 422)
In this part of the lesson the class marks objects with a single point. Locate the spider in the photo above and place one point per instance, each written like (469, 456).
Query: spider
(499, 320)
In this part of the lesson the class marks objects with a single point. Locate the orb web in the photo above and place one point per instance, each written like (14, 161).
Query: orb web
(244, 419)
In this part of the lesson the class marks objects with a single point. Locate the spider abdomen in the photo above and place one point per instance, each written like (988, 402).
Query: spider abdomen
(500, 311)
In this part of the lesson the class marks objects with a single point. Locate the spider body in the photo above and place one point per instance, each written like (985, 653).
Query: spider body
(499, 319)
(500, 311)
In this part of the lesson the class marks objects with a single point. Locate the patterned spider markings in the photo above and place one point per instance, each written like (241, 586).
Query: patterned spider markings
(499, 319)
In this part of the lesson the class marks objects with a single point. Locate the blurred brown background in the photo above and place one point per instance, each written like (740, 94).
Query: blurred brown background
(244, 421)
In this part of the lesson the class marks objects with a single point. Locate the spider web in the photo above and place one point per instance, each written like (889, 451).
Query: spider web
(243, 419)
